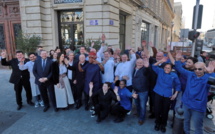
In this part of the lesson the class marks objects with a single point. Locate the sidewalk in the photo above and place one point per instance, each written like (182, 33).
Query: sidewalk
(30, 120)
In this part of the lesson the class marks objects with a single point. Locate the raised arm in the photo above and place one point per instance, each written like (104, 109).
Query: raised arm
(154, 50)
(4, 62)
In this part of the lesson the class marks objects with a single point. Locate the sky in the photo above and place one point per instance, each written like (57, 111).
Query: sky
(207, 17)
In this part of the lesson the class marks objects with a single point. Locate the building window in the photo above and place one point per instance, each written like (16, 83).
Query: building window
(122, 23)
(144, 31)
(17, 29)
(2, 37)
(71, 28)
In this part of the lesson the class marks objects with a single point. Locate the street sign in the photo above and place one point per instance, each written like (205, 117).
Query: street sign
(67, 1)
(184, 33)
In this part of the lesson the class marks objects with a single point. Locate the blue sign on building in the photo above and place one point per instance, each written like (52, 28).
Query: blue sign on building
(111, 22)
(67, 1)
(94, 22)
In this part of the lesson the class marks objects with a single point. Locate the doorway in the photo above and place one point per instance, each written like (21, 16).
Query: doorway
(10, 26)
(71, 28)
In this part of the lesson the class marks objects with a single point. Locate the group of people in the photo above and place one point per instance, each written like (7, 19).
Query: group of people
(110, 80)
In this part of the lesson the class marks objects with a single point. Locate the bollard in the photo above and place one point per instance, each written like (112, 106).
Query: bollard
(178, 127)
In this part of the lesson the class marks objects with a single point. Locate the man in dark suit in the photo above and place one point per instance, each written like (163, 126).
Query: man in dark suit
(43, 73)
(19, 78)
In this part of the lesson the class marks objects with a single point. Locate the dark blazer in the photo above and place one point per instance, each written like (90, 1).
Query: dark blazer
(39, 73)
(79, 76)
(140, 80)
(16, 73)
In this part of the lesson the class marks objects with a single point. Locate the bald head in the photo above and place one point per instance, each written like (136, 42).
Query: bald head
(139, 63)
(199, 69)
(159, 56)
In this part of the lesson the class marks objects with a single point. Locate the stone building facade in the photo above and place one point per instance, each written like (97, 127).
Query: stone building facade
(72, 22)
(177, 21)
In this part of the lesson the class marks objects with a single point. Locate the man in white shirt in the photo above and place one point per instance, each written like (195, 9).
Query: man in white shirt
(108, 63)
(125, 69)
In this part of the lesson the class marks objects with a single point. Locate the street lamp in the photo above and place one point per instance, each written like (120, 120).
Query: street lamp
(172, 24)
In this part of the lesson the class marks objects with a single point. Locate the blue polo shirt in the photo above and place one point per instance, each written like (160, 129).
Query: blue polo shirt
(125, 96)
(196, 91)
(166, 82)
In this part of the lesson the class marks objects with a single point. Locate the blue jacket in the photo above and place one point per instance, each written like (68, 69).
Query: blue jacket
(125, 96)
(166, 82)
(196, 92)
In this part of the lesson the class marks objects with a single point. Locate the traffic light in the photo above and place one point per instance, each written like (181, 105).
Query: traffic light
(198, 47)
(193, 35)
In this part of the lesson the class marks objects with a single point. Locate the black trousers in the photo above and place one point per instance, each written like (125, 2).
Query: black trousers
(151, 101)
(44, 91)
(79, 91)
(18, 91)
(102, 111)
(119, 111)
(162, 106)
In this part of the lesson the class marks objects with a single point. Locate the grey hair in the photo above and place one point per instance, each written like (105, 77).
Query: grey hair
(70, 52)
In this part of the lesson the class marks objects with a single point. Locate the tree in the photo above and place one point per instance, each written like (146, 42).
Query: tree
(27, 42)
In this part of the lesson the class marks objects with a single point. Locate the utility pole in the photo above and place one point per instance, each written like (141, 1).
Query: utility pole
(195, 26)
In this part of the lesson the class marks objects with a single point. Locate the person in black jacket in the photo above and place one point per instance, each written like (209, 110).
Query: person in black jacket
(140, 84)
(44, 79)
(19, 78)
(78, 80)
(102, 100)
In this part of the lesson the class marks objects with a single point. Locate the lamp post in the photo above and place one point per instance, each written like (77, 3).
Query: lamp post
(172, 24)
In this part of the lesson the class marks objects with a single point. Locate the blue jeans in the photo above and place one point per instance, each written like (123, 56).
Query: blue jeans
(141, 104)
(197, 119)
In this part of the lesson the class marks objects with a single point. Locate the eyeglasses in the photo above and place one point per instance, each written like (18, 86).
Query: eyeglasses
(199, 69)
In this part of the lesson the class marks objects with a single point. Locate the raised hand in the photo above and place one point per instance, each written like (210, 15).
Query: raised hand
(103, 37)
(92, 44)
(164, 59)
(211, 67)
(150, 44)
(125, 77)
(116, 90)
(178, 55)
(144, 43)
(66, 61)
(168, 48)
(3, 54)
(146, 62)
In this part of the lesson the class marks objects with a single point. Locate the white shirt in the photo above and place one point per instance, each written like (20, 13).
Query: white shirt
(70, 71)
(108, 75)
(29, 65)
(126, 69)
(62, 69)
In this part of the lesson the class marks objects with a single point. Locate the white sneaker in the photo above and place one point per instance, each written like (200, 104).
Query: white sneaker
(129, 113)
(92, 109)
(93, 114)
(36, 104)
(41, 103)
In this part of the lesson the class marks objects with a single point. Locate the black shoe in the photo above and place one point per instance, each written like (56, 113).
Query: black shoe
(56, 109)
(163, 129)
(46, 109)
(19, 107)
(87, 107)
(78, 105)
(30, 103)
(152, 116)
(118, 120)
(157, 127)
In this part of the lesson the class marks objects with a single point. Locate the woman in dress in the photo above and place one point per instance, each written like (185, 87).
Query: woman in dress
(63, 90)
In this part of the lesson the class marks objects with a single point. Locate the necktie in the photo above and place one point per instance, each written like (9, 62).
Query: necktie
(44, 64)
